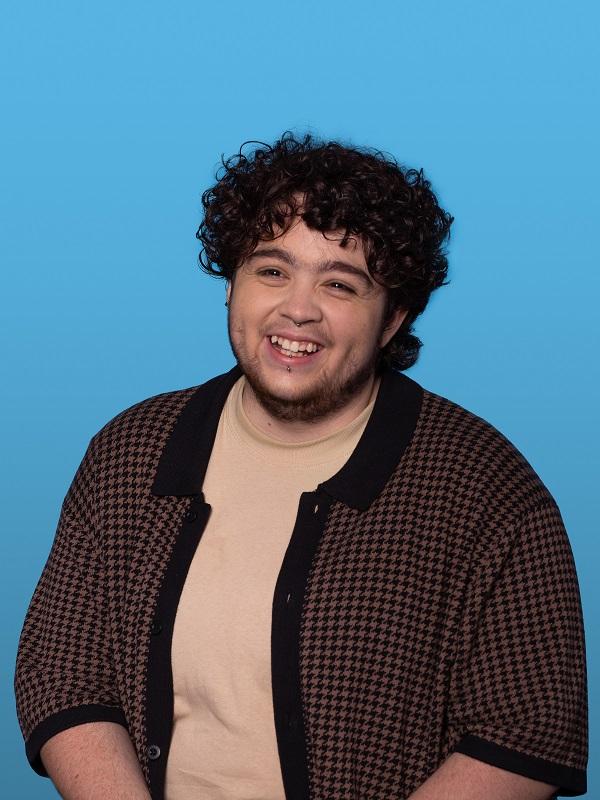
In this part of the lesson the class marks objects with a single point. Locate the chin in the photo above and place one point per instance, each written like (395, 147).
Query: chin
(312, 401)
(283, 391)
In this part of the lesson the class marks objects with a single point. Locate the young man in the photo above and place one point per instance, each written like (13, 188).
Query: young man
(309, 577)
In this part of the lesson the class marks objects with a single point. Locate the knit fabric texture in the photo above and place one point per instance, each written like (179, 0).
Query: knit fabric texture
(446, 616)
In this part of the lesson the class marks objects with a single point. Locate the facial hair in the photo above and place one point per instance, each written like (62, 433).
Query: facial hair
(326, 397)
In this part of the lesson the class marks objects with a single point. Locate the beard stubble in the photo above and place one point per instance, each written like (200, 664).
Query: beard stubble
(329, 395)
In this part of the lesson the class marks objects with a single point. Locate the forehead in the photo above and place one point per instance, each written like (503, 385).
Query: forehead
(306, 244)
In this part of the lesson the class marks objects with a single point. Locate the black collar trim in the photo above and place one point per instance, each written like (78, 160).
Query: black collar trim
(185, 457)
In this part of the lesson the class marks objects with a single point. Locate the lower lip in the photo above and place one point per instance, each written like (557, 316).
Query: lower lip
(299, 362)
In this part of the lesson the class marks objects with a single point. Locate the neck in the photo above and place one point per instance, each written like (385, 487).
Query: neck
(298, 431)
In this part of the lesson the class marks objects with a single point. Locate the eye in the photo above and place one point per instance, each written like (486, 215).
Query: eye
(342, 287)
(270, 272)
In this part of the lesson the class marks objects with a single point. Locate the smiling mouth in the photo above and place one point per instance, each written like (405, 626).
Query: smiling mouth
(295, 348)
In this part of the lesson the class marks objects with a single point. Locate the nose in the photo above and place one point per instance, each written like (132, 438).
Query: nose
(300, 303)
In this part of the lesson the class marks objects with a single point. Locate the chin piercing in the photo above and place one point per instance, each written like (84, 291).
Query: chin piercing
(289, 369)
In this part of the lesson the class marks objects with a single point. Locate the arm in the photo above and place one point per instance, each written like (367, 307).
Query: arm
(94, 761)
(65, 675)
(517, 696)
(461, 777)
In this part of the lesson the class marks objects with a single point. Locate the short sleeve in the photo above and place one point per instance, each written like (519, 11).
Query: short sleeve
(518, 696)
(64, 672)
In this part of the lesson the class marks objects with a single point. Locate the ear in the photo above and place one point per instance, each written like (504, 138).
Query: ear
(394, 322)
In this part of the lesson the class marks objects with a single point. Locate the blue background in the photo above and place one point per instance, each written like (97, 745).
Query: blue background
(114, 119)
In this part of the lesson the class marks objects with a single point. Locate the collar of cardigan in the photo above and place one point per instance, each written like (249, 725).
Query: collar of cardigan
(183, 462)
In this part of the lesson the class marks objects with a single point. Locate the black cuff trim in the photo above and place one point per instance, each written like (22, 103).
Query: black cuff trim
(571, 782)
(62, 720)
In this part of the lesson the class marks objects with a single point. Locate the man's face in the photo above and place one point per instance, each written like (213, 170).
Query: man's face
(309, 371)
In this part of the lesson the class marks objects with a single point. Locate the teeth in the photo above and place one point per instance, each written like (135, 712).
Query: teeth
(294, 346)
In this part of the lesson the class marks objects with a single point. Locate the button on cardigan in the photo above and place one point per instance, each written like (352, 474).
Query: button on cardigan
(427, 603)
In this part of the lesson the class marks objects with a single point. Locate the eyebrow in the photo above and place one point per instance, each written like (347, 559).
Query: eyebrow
(322, 267)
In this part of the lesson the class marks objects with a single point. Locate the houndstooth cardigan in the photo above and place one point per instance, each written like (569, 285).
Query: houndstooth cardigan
(427, 603)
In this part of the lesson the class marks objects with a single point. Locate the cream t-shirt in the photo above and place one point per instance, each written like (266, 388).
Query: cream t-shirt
(224, 745)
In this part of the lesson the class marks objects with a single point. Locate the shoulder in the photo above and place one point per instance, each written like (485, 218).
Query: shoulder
(145, 426)
(477, 459)
(141, 419)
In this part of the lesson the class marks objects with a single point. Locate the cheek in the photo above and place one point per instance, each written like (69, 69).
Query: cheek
(358, 330)
(254, 308)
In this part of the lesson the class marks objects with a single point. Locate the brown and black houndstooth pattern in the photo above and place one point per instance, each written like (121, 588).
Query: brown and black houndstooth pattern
(85, 637)
(449, 609)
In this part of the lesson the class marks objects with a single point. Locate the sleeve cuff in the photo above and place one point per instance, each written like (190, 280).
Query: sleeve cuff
(62, 720)
(571, 782)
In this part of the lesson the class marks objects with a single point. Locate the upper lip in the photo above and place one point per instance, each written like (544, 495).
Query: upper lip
(293, 336)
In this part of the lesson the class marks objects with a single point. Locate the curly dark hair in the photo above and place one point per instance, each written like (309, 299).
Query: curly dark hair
(361, 191)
